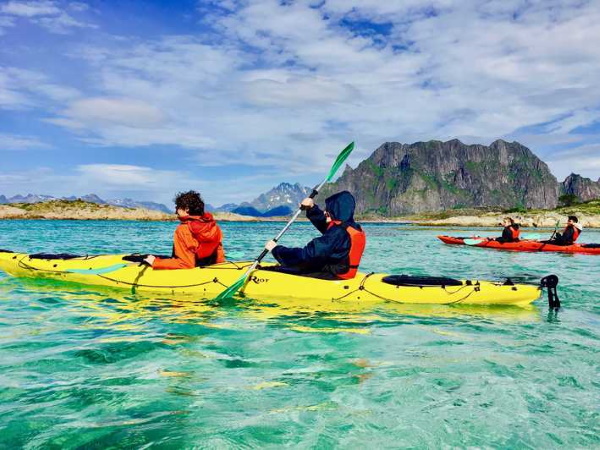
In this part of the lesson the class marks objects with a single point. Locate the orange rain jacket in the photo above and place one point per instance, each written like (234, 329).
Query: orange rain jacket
(198, 240)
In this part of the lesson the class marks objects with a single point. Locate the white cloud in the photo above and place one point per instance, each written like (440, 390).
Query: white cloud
(117, 174)
(24, 89)
(47, 14)
(286, 90)
(30, 9)
(582, 159)
(573, 121)
(287, 84)
(117, 111)
(78, 6)
(63, 23)
(15, 142)
(6, 22)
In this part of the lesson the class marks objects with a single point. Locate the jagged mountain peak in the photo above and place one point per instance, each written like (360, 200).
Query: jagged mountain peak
(434, 175)
(583, 188)
(279, 200)
(284, 194)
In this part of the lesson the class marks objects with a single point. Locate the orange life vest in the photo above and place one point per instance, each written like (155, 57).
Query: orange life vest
(210, 239)
(515, 232)
(358, 241)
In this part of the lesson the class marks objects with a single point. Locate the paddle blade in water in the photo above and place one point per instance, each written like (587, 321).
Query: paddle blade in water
(232, 290)
(340, 160)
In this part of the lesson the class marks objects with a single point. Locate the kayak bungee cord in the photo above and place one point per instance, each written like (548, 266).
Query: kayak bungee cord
(361, 287)
(127, 283)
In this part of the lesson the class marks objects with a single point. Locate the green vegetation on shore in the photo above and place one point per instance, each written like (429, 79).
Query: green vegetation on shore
(54, 205)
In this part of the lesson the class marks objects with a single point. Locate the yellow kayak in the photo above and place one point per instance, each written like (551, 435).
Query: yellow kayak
(207, 282)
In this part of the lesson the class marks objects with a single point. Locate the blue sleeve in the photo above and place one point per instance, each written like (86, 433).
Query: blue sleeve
(325, 249)
(317, 218)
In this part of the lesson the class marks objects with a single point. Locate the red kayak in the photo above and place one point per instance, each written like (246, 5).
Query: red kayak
(523, 246)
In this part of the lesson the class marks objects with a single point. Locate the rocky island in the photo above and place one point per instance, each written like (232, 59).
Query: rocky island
(83, 210)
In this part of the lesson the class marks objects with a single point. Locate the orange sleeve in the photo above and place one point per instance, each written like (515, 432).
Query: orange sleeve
(184, 247)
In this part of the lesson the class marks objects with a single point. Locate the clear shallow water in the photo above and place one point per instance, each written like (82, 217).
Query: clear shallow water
(84, 368)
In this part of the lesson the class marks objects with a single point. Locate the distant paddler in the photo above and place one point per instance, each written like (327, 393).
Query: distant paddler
(511, 231)
(569, 235)
(198, 240)
(334, 255)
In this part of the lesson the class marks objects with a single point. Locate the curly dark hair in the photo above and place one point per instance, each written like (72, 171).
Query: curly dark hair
(191, 201)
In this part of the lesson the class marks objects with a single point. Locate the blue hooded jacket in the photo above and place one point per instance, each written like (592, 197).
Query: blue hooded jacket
(329, 252)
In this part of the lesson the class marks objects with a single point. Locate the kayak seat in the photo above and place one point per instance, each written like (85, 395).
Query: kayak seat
(408, 280)
(53, 256)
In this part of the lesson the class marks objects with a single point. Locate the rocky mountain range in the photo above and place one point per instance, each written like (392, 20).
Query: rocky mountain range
(584, 189)
(401, 179)
(433, 176)
(91, 198)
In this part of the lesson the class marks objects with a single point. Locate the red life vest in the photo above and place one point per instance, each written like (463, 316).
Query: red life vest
(576, 232)
(358, 241)
(210, 239)
(515, 232)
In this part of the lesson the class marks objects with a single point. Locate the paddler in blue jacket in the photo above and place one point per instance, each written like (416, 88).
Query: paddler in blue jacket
(334, 255)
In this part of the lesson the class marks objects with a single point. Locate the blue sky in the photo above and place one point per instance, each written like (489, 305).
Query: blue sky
(146, 98)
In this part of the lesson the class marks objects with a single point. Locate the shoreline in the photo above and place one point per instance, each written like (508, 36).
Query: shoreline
(79, 210)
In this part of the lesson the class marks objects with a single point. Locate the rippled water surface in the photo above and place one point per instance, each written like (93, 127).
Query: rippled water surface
(82, 368)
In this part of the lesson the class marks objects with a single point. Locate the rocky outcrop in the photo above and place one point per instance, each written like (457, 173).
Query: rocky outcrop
(433, 176)
(77, 210)
(583, 188)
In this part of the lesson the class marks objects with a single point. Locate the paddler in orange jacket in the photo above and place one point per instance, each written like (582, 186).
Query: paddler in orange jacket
(198, 240)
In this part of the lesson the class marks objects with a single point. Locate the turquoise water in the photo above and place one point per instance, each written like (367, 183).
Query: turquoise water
(81, 368)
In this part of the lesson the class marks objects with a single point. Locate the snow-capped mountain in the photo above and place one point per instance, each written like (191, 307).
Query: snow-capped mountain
(285, 194)
(282, 200)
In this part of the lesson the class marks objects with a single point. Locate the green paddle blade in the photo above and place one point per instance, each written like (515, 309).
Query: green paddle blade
(232, 290)
(340, 160)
